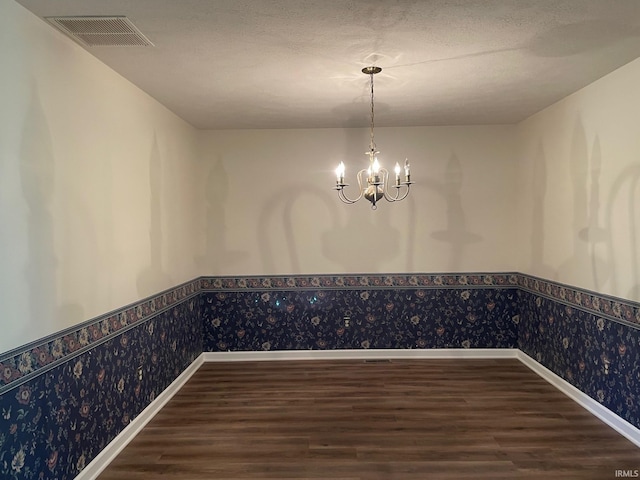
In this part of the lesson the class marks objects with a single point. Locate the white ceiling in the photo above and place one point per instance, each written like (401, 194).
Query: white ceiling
(296, 63)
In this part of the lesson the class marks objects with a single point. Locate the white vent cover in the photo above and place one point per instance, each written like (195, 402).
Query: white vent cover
(98, 31)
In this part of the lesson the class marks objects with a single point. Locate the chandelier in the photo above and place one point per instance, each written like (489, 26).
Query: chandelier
(373, 182)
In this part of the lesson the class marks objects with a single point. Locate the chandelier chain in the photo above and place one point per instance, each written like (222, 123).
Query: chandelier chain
(372, 143)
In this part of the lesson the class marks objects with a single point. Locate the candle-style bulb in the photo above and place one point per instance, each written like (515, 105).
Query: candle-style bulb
(340, 174)
(376, 166)
(407, 172)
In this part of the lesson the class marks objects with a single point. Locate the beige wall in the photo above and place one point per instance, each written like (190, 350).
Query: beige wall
(272, 210)
(106, 197)
(97, 185)
(579, 189)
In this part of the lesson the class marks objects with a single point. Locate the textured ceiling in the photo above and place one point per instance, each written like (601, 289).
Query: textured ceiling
(296, 63)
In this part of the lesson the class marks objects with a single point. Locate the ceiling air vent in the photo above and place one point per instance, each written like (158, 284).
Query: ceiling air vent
(98, 31)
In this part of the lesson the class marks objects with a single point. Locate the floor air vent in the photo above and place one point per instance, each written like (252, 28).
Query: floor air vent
(99, 31)
(378, 360)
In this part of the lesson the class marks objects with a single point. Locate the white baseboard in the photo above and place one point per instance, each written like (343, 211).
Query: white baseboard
(620, 425)
(361, 354)
(106, 456)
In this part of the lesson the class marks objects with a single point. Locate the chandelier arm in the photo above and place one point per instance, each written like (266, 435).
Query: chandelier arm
(385, 192)
(384, 179)
(344, 199)
(342, 195)
(393, 198)
(397, 198)
(385, 186)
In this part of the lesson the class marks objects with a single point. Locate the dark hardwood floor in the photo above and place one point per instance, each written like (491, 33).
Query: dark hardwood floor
(352, 420)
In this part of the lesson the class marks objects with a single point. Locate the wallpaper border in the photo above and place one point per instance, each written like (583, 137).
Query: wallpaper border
(609, 307)
(20, 365)
(359, 281)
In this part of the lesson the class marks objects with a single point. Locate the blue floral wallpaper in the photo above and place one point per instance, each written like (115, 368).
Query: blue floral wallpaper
(55, 423)
(598, 355)
(65, 397)
(359, 319)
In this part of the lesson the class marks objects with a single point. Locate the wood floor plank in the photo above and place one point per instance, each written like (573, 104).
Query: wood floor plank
(351, 420)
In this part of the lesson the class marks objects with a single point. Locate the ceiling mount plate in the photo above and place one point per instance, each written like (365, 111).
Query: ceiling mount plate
(371, 70)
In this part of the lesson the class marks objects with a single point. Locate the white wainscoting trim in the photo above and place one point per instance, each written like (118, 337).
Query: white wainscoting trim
(619, 424)
(106, 456)
(372, 354)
